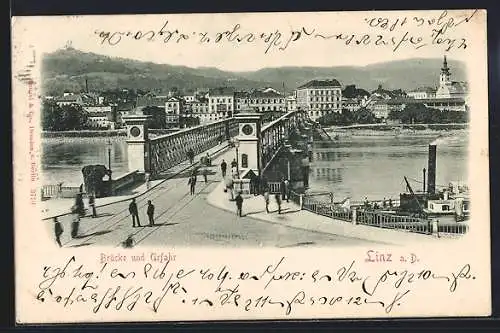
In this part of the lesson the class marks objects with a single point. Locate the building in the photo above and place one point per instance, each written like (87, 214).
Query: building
(382, 108)
(101, 116)
(320, 97)
(69, 99)
(101, 120)
(199, 108)
(291, 103)
(221, 102)
(352, 104)
(268, 100)
(448, 88)
(422, 93)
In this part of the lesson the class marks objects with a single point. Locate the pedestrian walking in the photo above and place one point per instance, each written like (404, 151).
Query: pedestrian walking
(92, 205)
(223, 167)
(132, 208)
(266, 198)
(58, 230)
(190, 155)
(229, 186)
(78, 211)
(205, 174)
(283, 189)
(287, 190)
(239, 204)
(208, 160)
(234, 164)
(151, 213)
(192, 183)
(278, 202)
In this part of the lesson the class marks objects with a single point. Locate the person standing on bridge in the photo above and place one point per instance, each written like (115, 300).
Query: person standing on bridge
(234, 164)
(58, 230)
(266, 198)
(205, 174)
(192, 183)
(132, 208)
(283, 188)
(151, 213)
(239, 204)
(278, 202)
(223, 168)
(190, 155)
(92, 205)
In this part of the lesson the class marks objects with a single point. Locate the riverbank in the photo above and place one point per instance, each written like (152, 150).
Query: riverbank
(386, 130)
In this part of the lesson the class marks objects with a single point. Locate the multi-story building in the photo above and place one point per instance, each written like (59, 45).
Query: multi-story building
(291, 103)
(101, 116)
(320, 97)
(260, 101)
(422, 93)
(199, 108)
(352, 104)
(221, 101)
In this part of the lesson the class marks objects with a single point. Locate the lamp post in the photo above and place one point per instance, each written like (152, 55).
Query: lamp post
(237, 145)
(109, 158)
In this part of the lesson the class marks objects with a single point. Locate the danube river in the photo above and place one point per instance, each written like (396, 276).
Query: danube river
(350, 167)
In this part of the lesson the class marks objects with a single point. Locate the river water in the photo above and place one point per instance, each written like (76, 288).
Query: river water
(351, 167)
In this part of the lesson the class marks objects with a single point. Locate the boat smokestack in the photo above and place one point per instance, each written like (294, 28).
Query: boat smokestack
(423, 183)
(431, 170)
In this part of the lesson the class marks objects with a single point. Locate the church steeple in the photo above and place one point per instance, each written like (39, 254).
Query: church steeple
(445, 76)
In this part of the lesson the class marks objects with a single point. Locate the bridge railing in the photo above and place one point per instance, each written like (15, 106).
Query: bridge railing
(168, 150)
(273, 136)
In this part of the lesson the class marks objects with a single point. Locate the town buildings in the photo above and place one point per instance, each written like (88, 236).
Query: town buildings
(260, 101)
(320, 97)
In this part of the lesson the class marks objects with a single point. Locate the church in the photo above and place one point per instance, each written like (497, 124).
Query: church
(448, 88)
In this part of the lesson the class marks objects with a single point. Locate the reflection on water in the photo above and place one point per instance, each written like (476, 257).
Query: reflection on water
(63, 159)
(359, 167)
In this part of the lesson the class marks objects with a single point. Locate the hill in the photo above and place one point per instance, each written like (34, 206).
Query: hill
(67, 69)
(404, 74)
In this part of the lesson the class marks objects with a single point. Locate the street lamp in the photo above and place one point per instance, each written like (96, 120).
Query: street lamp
(237, 145)
(109, 157)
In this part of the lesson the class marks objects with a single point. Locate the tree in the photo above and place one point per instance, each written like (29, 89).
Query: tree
(73, 117)
(364, 116)
(158, 116)
(63, 118)
(51, 116)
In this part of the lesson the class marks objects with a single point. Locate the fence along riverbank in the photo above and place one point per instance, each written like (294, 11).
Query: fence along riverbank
(362, 216)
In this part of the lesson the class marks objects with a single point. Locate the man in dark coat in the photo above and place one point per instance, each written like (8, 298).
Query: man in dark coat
(132, 208)
(223, 167)
(192, 184)
(92, 204)
(58, 230)
(239, 204)
(151, 213)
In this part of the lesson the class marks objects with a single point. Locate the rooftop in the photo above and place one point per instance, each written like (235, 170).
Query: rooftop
(320, 84)
(223, 91)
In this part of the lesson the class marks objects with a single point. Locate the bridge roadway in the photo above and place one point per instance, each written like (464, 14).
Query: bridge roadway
(182, 219)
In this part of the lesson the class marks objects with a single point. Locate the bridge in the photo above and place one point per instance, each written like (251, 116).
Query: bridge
(257, 144)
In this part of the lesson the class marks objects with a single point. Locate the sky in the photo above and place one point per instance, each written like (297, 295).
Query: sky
(325, 37)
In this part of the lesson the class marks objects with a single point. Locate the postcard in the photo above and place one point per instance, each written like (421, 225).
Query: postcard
(251, 166)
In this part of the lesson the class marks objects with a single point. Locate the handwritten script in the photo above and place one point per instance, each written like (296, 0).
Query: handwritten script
(112, 286)
(415, 31)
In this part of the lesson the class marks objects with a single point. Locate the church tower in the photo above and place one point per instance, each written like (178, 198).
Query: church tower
(445, 76)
